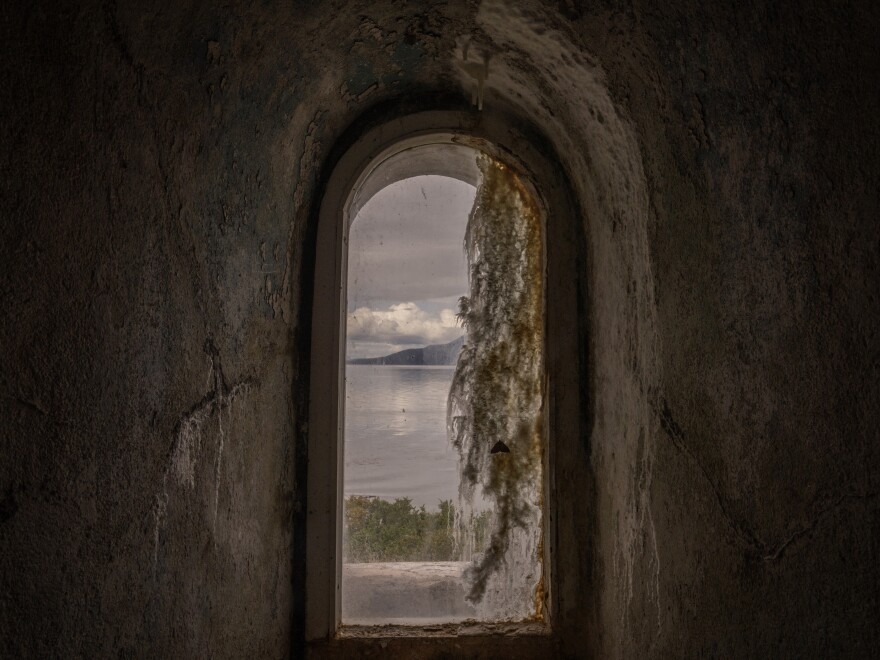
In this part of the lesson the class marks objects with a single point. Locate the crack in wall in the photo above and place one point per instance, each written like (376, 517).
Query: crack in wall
(768, 551)
(118, 38)
(186, 446)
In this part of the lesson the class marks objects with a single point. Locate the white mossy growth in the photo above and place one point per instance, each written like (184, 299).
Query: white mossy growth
(221, 442)
(159, 510)
(186, 448)
(494, 414)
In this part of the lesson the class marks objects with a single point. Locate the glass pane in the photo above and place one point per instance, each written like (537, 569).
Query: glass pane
(422, 538)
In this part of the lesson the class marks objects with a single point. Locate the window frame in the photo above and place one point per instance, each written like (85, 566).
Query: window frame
(564, 376)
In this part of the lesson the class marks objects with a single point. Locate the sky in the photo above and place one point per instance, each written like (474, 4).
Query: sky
(406, 266)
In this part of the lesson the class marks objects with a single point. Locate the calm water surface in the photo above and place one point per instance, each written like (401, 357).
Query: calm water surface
(395, 434)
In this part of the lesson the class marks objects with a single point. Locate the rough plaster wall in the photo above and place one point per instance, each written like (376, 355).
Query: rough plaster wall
(762, 166)
(158, 168)
(733, 444)
(563, 88)
(729, 191)
(145, 230)
(157, 175)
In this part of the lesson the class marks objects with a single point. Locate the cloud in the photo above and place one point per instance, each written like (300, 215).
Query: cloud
(407, 243)
(402, 324)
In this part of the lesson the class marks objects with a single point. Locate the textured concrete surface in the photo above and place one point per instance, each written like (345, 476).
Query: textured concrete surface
(159, 169)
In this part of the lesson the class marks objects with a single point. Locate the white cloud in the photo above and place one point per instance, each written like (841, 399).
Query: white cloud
(402, 324)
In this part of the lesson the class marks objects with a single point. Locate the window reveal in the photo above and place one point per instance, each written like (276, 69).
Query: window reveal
(495, 410)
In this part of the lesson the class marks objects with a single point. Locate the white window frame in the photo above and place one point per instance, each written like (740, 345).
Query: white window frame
(564, 369)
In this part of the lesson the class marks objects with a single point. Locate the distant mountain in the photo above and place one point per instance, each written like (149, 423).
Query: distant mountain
(435, 354)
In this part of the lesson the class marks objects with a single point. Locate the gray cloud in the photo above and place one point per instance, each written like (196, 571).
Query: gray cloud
(406, 244)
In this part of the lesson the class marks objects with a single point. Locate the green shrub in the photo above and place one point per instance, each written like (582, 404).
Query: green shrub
(377, 530)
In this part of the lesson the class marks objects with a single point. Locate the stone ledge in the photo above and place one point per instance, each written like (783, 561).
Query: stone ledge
(404, 593)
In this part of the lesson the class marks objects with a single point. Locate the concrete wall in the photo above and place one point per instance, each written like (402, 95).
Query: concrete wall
(160, 165)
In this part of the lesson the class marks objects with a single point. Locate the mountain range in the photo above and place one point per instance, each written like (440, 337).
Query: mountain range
(434, 354)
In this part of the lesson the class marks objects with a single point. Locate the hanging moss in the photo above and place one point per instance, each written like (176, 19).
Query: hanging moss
(494, 413)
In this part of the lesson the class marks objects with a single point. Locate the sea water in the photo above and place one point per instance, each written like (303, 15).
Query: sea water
(395, 434)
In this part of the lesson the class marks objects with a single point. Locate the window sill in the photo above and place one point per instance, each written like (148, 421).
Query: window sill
(513, 641)
(465, 629)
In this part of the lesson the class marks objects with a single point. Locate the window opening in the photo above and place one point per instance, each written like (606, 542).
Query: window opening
(442, 512)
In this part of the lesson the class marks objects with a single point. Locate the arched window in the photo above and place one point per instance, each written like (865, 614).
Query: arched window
(483, 430)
